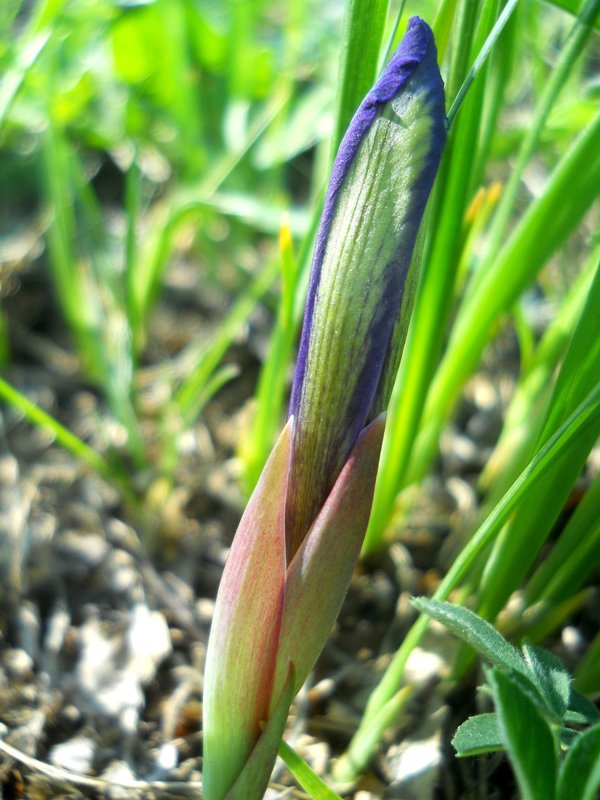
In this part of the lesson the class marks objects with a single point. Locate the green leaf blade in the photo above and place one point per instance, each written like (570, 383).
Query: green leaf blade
(478, 735)
(528, 738)
(550, 677)
(580, 773)
(476, 632)
(305, 776)
(583, 709)
(363, 36)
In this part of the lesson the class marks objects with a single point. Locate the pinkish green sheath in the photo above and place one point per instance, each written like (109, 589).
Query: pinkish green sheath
(269, 618)
(254, 777)
(313, 594)
(242, 652)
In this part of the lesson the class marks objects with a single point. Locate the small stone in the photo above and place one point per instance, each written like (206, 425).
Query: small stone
(56, 631)
(414, 764)
(460, 452)
(205, 608)
(317, 754)
(423, 666)
(463, 495)
(321, 690)
(18, 664)
(167, 756)
(88, 549)
(484, 392)
(121, 572)
(149, 641)
(76, 754)
(119, 772)
(71, 714)
(484, 427)
(29, 627)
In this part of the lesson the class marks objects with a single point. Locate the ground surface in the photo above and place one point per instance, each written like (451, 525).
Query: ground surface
(102, 647)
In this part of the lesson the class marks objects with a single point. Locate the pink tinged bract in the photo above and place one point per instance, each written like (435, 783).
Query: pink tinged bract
(319, 575)
(253, 779)
(270, 623)
(242, 648)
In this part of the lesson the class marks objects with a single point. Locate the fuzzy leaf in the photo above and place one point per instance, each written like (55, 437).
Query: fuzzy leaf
(581, 709)
(550, 677)
(528, 686)
(580, 773)
(475, 631)
(527, 737)
(477, 735)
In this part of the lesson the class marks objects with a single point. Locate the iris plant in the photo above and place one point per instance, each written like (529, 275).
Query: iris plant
(295, 549)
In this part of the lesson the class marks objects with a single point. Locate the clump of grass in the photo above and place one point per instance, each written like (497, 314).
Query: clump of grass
(211, 131)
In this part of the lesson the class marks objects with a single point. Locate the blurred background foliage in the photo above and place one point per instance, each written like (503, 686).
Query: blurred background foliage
(162, 165)
(135, 136)
(132, 131)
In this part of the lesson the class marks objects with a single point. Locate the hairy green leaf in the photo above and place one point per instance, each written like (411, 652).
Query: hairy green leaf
(550, 677)
(480, 734)
(580, 774)
(476, 632)
(527, 736)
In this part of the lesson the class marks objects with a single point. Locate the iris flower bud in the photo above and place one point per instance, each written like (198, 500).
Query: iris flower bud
(292, 558)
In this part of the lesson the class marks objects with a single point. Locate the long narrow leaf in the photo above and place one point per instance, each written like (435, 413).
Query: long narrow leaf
(540, 232)
(305, 776)
(520, 542)
(580, 773)
(363, 35)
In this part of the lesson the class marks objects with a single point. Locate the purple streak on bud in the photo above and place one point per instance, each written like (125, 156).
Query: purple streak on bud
(318, 456)
(413, 49)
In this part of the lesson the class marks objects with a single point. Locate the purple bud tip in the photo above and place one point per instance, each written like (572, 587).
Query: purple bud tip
(373, 208)
(415, 47)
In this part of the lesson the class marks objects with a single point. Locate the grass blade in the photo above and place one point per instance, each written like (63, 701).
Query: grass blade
(567, 436)
(67, 439)
(363, 36)
(541, 231)
(520, 542)
(572, 50)
(529, 405)
(271, 385)
(587, 674)
(574, 557)
(149, 266)
(580, 773)
(481, 58)
(305, 776)
(207, 360)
